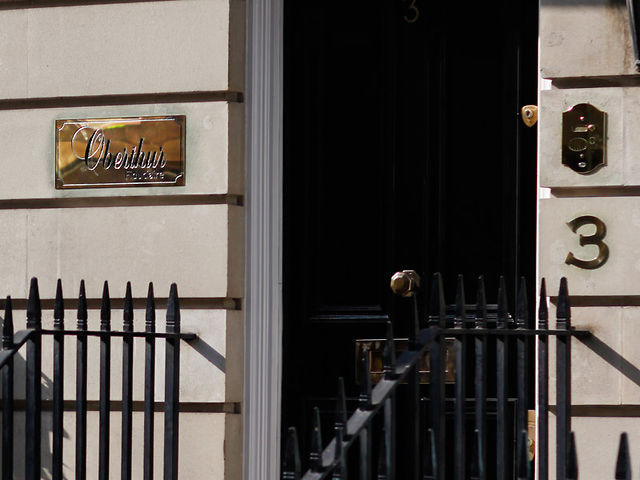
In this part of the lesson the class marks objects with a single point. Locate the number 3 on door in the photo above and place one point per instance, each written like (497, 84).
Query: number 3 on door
(595, 239)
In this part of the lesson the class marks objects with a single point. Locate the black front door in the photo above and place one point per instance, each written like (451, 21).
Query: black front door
(404, 149)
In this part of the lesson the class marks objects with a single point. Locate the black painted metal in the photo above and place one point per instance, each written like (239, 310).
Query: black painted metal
(127, 385)
(502, 349)
(7, 394)
(58, 383)
(460, 347)
(481, 461)
(543, 387)
(315, 456)
(171, 387)
(521, 372)
(477, 465)
(623, 464)
(149, 383)
(33, 418)
(32, 339)
(436, 376)
(524, 466)
(413, 399)
(81, 386)
(563, 379)
(480, 349)
(291, 464)
(105, 385)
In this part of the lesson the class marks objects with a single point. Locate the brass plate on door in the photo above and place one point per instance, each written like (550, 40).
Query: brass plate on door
(120, 152)
(375, 348)
(584, 138)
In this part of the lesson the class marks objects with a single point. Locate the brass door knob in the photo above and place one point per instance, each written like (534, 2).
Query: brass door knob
(405, 283)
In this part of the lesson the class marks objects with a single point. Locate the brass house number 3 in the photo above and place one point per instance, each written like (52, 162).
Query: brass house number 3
(595, 239)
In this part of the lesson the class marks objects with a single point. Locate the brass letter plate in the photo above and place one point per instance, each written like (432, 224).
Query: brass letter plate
(584, 138)
(375, 348)
(120, 152)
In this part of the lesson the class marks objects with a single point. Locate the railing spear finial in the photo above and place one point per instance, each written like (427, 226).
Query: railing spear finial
(173, 310)
(437, 307)
(150, 313)
(82, 307)
(341, 408)
(563, 309)
(105, 308)
(127, 315)
(543, 310)
(389, 353)
(522, 307)
(623, 464)
(481, 304)
(460, 317)
(502, 320)
(315, 457)
(291, 464)
(34, 310)
(7, 325)
(58, 308)
(365, 381)
(340, 470)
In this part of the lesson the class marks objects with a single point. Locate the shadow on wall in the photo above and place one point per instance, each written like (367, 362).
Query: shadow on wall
(612, 357)
(19, 423)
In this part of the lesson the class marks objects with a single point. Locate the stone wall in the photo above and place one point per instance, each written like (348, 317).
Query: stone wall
(103, 59)
(586, 56)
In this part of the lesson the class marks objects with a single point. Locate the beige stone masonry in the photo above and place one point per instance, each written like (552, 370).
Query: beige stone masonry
(623, 141)
(620, 275)
(202, 445)
(584, 38)
(189, 245)
(115, 49)
(590, 372)
(597, 438)
(209, 371)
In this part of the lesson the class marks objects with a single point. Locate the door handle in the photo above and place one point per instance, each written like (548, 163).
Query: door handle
(405, 283)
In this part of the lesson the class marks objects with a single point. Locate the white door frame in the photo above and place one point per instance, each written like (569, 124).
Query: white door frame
(263, 293)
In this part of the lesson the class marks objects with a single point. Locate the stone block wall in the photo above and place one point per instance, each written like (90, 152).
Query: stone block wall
(586, 56)
(103, 59)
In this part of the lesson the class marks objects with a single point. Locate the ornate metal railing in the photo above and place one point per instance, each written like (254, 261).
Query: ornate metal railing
(29, 341)
(426, 441)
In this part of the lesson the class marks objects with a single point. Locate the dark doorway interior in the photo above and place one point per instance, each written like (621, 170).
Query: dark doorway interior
(403, 149)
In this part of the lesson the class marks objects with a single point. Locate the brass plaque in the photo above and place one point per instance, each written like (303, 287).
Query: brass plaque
(375, 348)
(584, 138)
(120, 152)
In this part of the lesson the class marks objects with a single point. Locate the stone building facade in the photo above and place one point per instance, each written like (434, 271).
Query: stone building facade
(587, 56)
(219, 62)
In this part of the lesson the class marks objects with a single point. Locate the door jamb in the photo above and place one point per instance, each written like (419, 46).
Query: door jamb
(263, 272)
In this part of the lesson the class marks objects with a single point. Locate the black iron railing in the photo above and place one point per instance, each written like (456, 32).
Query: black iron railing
(31, 341)
(427, 444)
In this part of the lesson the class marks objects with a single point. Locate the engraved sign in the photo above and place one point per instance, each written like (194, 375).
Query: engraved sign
(120, 152)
